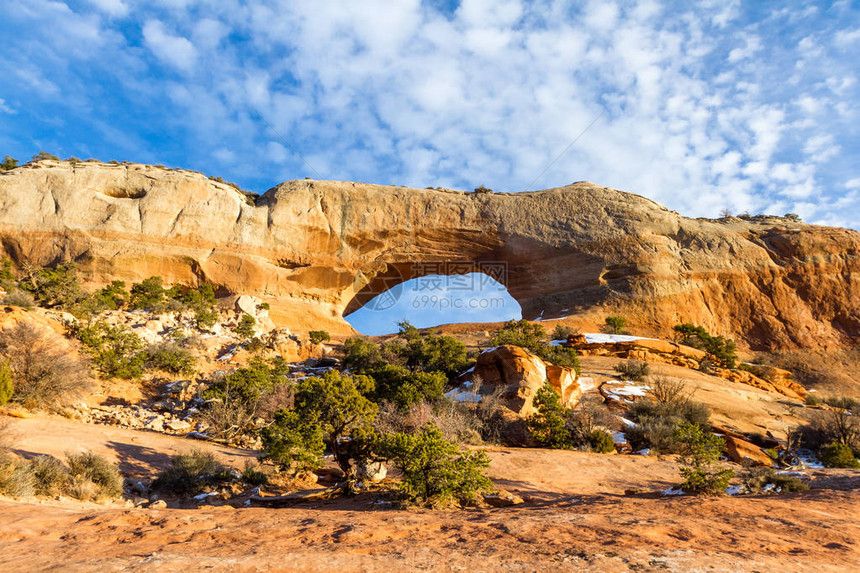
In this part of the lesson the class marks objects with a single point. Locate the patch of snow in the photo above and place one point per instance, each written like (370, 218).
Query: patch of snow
(489, 350)
(600, 338)
(673, 491)
(586, 383)
(619, 437)
(459, 395)
(809, 459)
(203, 496)
(627, 390)
(735, 490)
(472, 369)
(556, 342)
(628, 423)
(644, 452)
(770, 487)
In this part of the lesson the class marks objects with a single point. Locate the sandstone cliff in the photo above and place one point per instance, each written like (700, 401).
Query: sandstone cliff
(315, 249)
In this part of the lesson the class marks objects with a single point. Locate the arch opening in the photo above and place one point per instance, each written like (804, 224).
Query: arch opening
(432, 300)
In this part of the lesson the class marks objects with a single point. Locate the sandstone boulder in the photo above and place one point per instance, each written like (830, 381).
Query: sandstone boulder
(741, 451)
(502, 498)
(521, 374)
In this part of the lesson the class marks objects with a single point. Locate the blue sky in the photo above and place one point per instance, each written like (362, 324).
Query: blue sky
(750, 106)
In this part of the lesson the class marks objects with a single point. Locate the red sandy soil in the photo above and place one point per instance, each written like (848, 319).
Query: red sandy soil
(577, 518)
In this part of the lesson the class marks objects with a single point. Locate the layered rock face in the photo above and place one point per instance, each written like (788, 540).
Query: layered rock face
(315, 249)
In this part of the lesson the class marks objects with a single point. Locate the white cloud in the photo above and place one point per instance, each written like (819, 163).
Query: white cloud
(5, 108)
(753, 46)
(116, 8)
(821, 147)
(402, 92)
(176, 51)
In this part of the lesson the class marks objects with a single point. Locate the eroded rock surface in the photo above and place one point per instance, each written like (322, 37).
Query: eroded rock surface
(315, 249)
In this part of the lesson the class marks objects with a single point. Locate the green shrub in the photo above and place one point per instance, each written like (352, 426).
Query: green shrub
(656, 423)
(360, 355)
(252, 474)
(812, 400)
(699, 455)
(192, 473)
(8, 163)
(723, 349)
(428, 352)
(338, 404)
(44, 155)
(563, 332)
(318, 336)
(757, 478)
(836, 455)
(548, 425)
(520, 333)
(245, 328)
(601, 441)
(434, 469)
(206, 318)
(293, 443)
(147, 294)
(94, 469)
(614, 325)
(404, 388)
(533, 338)
(116, 350)
(170, 357)
(7, 388)
(56, 286)
(633, 370)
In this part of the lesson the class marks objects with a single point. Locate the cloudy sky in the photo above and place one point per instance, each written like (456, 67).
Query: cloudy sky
(751, 106)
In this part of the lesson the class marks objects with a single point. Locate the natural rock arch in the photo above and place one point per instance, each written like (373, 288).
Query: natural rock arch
(310, 248)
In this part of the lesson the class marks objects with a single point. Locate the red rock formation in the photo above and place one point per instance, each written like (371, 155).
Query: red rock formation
(315, 249)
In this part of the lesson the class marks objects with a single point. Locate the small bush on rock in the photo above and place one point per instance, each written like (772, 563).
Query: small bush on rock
(836, 455)
(757, 478)
(633, 370)
(192, 473)
(614, 325)
(548, 425)
(319, 336)
(533, 338)
(723, 349)
(94, 474)
(434, 469)
(699, 455)
(170, 357)
(601, 441)
(51, 475)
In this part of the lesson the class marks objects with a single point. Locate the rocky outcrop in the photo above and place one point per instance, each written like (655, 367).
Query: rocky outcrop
(521, 374)
(315, 249)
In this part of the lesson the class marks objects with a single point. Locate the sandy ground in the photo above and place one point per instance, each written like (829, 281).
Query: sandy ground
(577, 518)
